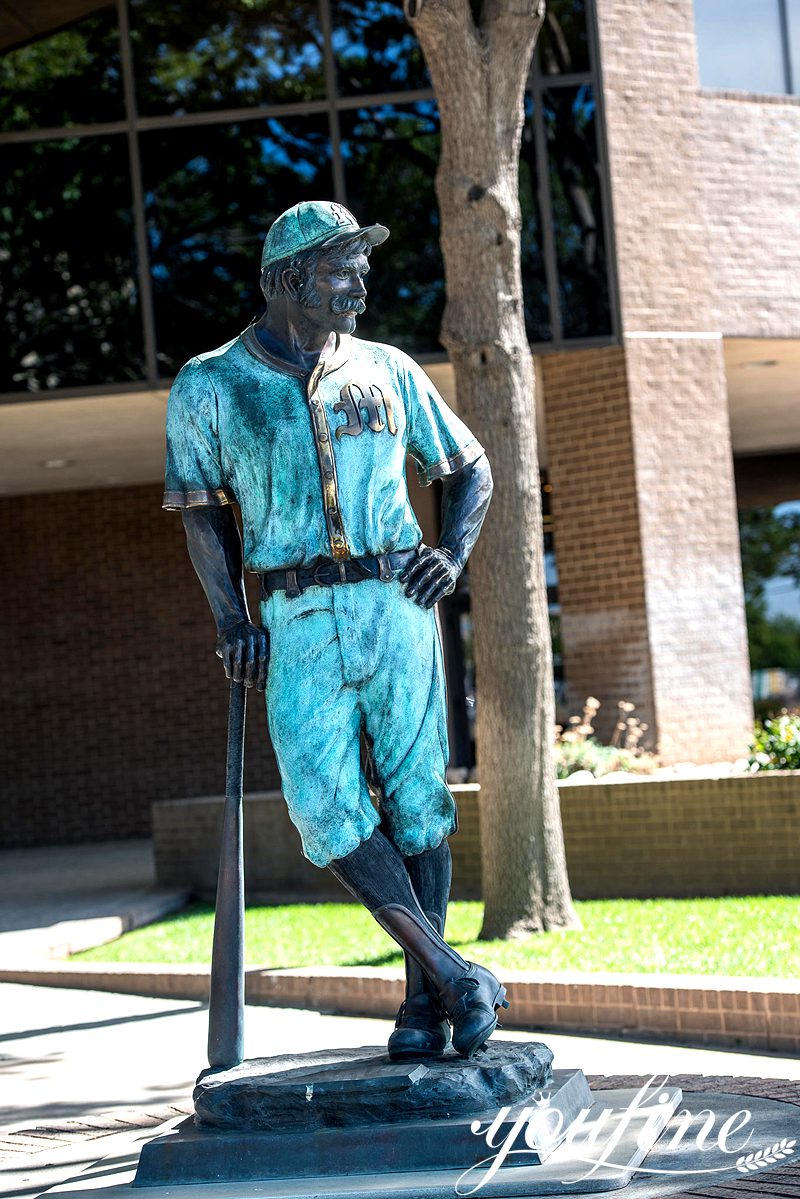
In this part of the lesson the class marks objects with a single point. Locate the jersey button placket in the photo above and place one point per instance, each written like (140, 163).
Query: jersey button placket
(327, 464)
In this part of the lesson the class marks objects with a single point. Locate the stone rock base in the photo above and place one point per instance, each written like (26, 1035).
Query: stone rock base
(357, 1108)
(338, 1088)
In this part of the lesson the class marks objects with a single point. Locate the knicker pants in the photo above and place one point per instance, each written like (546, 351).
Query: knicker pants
(343, 657)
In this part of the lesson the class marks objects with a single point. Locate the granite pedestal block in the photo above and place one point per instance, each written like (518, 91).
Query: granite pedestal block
(303, 1117)
(602, 1155)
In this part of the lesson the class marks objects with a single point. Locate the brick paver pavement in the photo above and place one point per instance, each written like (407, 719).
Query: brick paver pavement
(783, 1182)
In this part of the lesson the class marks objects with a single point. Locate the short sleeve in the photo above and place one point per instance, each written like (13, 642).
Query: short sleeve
(438, 440)
(194, 476)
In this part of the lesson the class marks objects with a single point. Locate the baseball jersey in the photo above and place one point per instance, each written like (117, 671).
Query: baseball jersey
(316, 462)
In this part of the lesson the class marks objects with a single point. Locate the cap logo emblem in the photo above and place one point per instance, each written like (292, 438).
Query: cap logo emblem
(341, 215)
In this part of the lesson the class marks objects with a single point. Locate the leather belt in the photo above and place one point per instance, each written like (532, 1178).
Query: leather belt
(327, 573)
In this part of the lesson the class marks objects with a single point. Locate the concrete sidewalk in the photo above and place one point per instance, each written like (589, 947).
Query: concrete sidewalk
(57, 900)
(74, 1054)
(756, 1014)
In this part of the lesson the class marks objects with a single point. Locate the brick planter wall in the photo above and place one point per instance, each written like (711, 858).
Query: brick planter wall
(753, 1013)
(734, 836)
(675, 837)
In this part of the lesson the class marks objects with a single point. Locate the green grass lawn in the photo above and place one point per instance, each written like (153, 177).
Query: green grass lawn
(751, 936)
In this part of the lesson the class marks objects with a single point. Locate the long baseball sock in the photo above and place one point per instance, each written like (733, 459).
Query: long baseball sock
(431, 874)
(376, 874)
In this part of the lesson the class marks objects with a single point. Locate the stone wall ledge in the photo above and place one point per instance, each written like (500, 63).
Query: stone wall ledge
(700, 834)
(747, 1013)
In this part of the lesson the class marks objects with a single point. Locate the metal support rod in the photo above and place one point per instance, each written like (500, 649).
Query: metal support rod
(226, 998)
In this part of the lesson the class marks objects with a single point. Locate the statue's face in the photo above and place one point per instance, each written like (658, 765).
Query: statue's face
(338, 293)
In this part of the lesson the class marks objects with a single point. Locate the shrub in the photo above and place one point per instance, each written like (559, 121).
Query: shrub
(577, 748)
(598, 759)
(776, 744)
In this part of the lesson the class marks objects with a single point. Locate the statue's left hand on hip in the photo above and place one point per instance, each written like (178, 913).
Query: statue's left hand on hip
(432, 575)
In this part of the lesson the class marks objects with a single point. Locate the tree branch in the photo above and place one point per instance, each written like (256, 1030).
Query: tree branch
(449, 37)
(511, 28)
(455, 13)
(513, 13)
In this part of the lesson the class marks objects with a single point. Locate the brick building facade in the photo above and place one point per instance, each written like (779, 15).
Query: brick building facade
(704, 188)
(667, 390)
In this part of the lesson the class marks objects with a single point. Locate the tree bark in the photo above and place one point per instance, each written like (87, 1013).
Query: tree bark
(479, 70)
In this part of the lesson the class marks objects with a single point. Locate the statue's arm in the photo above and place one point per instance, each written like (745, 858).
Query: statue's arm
(465, 500)
(215, 549)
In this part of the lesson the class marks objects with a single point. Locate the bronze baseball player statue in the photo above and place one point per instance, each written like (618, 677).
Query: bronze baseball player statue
(307, 429)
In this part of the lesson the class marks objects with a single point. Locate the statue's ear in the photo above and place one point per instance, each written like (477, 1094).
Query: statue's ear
(290, 280)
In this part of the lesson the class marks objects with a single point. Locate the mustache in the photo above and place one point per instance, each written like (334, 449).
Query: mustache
(345, 304)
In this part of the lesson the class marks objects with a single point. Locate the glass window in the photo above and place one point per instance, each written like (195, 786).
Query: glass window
(563, 41)
(570, 116)
(534, 280)
(739, 45)
(69, 78)
(390, 156)
(793, 20)
(375, 48)
(68, 283)
(217, 54)
(211, 194)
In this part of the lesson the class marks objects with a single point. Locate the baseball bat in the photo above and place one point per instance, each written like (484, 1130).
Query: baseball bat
(226, 997)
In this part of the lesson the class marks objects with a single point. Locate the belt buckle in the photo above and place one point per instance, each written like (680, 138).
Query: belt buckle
(325, 573)
(385, 572)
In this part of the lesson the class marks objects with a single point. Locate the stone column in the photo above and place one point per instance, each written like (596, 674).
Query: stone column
(597, 532)
(638, 435)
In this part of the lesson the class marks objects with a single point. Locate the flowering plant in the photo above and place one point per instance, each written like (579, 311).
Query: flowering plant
(776, 744)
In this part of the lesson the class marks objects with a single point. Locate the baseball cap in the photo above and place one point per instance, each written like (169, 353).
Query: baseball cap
(311, 224)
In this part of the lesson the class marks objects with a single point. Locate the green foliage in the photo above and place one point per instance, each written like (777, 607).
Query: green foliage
(776, 745)
(774, 641)
(590, 755)
(754, 936)
(68, 77)
(770, 540)
(770, 547)
(67, 266)
(225, 53)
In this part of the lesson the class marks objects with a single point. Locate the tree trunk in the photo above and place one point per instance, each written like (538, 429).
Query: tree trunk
(479, 73)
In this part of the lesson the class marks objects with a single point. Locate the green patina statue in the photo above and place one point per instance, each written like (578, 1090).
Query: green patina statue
(307, 429)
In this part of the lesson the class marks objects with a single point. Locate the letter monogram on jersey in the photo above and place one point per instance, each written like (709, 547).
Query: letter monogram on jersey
(356, 399)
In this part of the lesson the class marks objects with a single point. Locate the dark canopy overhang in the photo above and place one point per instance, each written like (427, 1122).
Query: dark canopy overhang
(24, 21)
